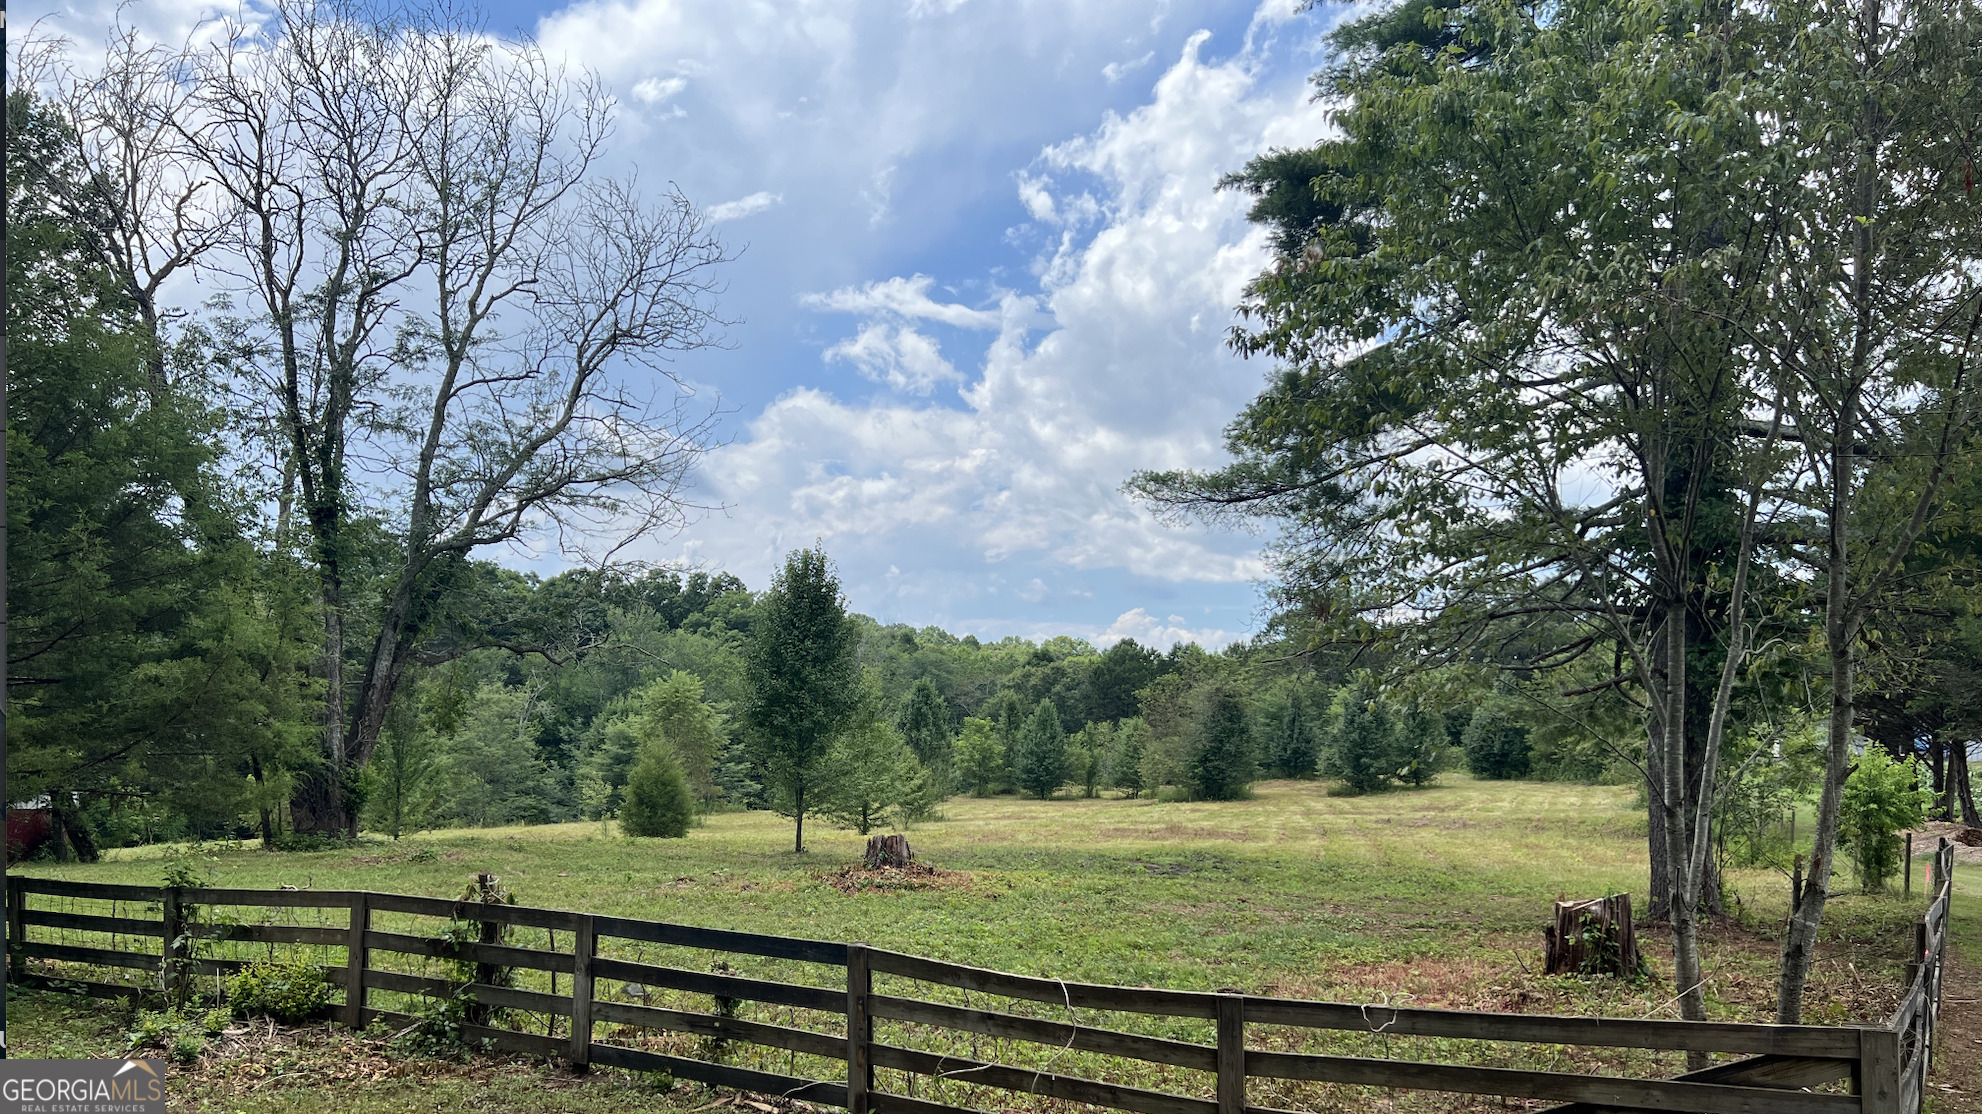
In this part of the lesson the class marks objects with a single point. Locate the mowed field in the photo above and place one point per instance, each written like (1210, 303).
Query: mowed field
(1436, 897)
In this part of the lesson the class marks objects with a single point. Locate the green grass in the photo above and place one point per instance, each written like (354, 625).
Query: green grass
(1436, 897)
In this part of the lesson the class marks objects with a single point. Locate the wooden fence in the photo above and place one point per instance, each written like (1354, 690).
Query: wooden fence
(859, 1034)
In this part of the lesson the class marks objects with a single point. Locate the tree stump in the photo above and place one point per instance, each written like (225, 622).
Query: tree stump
(888, 850)
(1592, 937)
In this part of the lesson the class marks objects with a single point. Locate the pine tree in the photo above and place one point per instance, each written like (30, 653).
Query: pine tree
(1362, 739)
(1040, 764)
(658, 802)
(1125, 757)
(1222, 765)
(1496, 746)
(1295, 749)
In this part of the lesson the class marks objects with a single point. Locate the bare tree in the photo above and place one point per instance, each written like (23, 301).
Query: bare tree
(446, 315)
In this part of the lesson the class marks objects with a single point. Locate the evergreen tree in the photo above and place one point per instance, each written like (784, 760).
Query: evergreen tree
(1296, 752)
(925, 725)
(1362, 738)
(804, 682)
(980, 756)
(672, 708)
(1421, 750)
(1496, 746)
(1124, 764)
(1040, 762)
(1222, 764)
(658, 801)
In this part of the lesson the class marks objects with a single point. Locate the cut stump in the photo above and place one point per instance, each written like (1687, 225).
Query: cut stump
(1592, 937)
(888, 850)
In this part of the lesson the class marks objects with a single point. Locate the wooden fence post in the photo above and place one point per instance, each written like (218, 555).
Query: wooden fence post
(859, 1031)
(1907, 892)
(17, 929)
(355, 957)
(1231, 1054)
(1878, 1071)
(174, 923)
(584, 945)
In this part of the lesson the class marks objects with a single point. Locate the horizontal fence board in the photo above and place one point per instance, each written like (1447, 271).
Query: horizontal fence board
(81, 986)
(710, 1025)
(500, 955)
(89, 922)
(1634, 1094)
(509, 1040)
(1622, 1032)
(502, 997)
(721, 986)
(1071, 1088)
(281, 899)
(885, 1103)
(100, 957)
(273, 934)
(101, 891)
(1059, 1034)
(523, 915)
(723, 940)
(1784, 1072)
(720, 1075)
(1122, 999)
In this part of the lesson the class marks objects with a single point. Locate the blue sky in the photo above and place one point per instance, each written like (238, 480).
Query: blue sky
(983, 277)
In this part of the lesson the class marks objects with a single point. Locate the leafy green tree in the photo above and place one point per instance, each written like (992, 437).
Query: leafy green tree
(1881, 798)
(804, 682)
(1122, 671)
(1223, 762)
(1039, 764)
(1362, 738)
(658, 799)
(980, 756)
(925, 724)
(672, 708)
(1124, 757)
(873, 776)
(493, 772)
(1086, 753)
(1496, 746)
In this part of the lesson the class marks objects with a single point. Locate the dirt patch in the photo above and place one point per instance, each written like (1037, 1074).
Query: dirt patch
(1967, 840)
(1956, 1082)
(897, 879)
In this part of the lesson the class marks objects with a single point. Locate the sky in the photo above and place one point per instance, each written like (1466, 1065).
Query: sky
(983, 276)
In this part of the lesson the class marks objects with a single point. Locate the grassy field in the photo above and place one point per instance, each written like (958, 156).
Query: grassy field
(1437, 896)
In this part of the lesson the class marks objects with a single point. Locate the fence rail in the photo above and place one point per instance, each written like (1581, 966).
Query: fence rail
(1882, 1069)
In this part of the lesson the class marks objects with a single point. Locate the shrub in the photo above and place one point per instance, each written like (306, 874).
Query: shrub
(287, 990)
(1880, 797)
(1362, 739)
(1496, 746)
(657, 798)
(1222, 765)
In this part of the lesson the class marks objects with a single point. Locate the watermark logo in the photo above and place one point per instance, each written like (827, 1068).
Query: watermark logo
(81, 1087)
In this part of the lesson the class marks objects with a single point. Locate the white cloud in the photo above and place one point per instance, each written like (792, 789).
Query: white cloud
(898, 356)
(742, 206)
(654, 90)
(1128, 371)
(1116, 71)
(906, 298)
(1163, 633)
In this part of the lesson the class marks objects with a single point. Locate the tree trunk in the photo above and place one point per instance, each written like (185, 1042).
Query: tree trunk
(1965, 792)
(798, 834)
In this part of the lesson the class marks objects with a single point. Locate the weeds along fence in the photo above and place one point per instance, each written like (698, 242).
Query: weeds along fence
(872, 1030)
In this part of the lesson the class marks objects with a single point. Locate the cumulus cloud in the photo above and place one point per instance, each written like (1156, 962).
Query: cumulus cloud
(897, 356)
(1115, 365)
(654, 90)
(1163, 633)
(742, 206)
